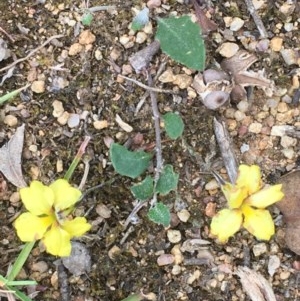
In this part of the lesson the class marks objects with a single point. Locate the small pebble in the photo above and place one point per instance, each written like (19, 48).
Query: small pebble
(38, 86)
(176, 270)
(284, 275)
(174, 236)
(86, 37)
(165, 259)
(183, 215)
(255, 127)
(15, 197)
(63, 119)
(236, 24)
(259, 249)
(58, 108)
(243, 106)
(153, 3)
(289, 153)
(141, 37)
(276, 44)
(73, 120)
(228, 49)
(290, 56)
(273, 264)
(40, 266)
(212, 185)
(167, 76)
(75, 49)
(183, 81)
(103, 211)
(100, 124)
(287, 141)
(10, 120)
(282, 107)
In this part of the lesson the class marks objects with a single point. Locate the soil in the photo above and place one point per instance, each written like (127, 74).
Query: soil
(124, 261)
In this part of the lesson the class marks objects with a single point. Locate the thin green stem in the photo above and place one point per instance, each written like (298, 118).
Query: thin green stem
(22, 257)
(77, 158)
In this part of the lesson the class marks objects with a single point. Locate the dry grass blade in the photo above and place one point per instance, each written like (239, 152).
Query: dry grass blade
(255, 285)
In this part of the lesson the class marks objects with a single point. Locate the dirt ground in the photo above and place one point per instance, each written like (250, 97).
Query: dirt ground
(76, 91)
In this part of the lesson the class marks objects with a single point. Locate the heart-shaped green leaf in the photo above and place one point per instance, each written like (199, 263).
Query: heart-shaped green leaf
(173, 125)
(167, 181)
(143, 190)
(128, 163)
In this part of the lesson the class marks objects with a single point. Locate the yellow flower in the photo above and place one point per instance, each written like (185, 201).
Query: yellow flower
(48, 217)
(246, 201)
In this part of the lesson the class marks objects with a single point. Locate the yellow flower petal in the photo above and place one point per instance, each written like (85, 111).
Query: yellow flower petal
(30, 227)
(38, 198)
(225, 224)
(258, 222)
(249, 177)
(57, 241)
(76, 227)
(65, 195)
(266, 196)
(234, 195)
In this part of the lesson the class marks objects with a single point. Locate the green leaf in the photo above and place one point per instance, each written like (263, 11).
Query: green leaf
(180, 38)
(143, 190)
(87, 18)
(167, 181)
(160, 214)
(127, 163)
(173, 125)
(140, 20)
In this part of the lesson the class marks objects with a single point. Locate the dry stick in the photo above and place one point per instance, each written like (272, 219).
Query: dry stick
(156, 115)
(32, 52)
(146, 94)
(8, 35)
(152, 89)
(256, 18)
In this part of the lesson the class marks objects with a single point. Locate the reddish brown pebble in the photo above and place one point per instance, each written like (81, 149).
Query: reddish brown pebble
(210, 209)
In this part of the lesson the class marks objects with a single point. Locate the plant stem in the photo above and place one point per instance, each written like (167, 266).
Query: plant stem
(156, 116)
(77, 158)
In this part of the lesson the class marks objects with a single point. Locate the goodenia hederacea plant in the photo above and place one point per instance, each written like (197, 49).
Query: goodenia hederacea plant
(181, 39)
(247, 200)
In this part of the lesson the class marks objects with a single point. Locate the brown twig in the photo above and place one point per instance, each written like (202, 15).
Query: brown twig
(31, 53)
(257, 20)
(150, 89)
(7, 34)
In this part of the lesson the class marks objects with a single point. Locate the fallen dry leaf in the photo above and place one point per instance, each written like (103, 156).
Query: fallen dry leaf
(10, 162)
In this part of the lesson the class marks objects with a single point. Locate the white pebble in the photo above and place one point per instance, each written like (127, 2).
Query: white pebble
(141, 37)
(174, 236)
(280, 130)
(73, 120)
(236, 24)
(255, 127)
(243, 106)
(228, 49)
(259, 249)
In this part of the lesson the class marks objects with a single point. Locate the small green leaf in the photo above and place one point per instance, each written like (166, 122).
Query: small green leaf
(87, 18)
(167, 181)
(140, 20)
(173, 125)
(180, 38)
(143, 190)
(127, 163)
(160, 214)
